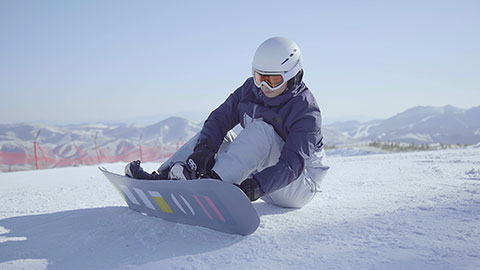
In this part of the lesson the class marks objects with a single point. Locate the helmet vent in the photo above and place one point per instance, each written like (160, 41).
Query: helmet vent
(288, 58)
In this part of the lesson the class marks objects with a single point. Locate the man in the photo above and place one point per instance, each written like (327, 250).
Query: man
(278, 155)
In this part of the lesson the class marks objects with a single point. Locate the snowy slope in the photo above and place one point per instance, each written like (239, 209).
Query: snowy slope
(396, 211)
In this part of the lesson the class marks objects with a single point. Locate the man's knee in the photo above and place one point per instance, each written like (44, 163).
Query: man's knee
(295, 195)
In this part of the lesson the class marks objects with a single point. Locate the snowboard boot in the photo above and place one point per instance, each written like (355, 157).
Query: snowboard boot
(133, 170)
(211, 175)
(180, 171)
(214, 175)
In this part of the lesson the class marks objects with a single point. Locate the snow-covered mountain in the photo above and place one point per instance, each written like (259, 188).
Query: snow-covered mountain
(168, 131)
(58, 143)
(446, 125)
(423, 124)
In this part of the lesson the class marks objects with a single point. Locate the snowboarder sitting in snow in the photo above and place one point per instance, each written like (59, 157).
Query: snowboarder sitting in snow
(278, 155)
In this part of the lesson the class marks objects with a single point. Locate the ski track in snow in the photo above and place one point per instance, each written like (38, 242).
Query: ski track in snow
(397, 211)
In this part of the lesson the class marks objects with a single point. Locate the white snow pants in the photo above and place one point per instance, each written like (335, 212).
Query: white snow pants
(255, 148)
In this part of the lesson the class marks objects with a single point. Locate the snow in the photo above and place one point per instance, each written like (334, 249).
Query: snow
(473, 174)
(412, 125)
(353, 151)
(417, 136)
(391, 211)
(97, 126)
(362, 131)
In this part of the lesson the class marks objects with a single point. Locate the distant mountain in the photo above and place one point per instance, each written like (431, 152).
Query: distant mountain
(77, 142)
(422, 124)
(169, 131)
(67, 145)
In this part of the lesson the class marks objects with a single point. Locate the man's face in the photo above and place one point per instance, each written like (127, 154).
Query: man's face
(272, 94)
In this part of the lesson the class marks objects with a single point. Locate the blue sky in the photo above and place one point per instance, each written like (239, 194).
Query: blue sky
(71, 61)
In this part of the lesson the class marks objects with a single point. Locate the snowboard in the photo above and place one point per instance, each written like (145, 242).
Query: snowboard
(207, 202)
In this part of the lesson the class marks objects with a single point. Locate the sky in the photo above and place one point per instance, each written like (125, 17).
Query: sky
(86, 61)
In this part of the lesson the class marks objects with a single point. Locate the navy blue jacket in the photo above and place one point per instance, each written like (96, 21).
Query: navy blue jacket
(294, 115)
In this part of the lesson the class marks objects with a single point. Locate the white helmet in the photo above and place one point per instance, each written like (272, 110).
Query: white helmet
(276, 56)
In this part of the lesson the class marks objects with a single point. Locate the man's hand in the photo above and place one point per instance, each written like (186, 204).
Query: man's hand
(251, 188)
(201, 160)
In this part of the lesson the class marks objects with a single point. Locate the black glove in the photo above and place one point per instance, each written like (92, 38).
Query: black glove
(201, 160)
(251, 188)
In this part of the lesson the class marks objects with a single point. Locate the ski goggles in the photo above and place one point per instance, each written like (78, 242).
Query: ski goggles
(274, 80)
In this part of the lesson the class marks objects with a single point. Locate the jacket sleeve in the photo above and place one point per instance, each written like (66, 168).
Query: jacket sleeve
(220, 121)
(304, 138)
